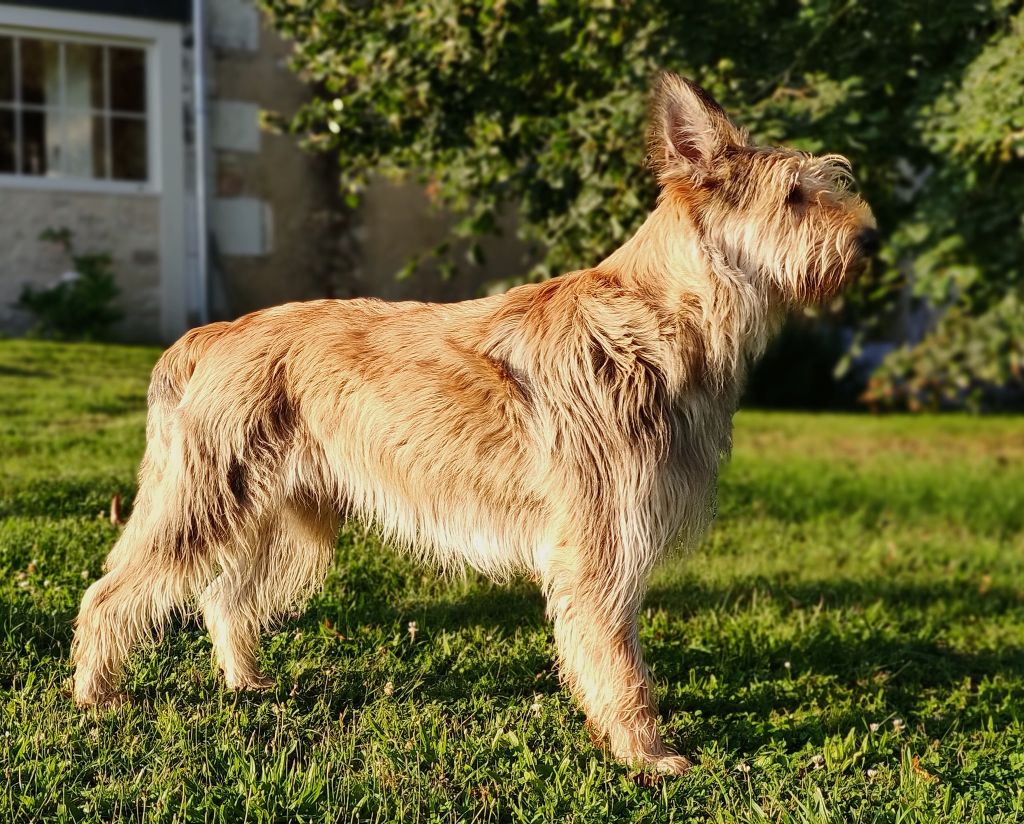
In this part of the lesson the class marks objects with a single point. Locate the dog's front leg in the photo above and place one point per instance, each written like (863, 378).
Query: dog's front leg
(595, 624)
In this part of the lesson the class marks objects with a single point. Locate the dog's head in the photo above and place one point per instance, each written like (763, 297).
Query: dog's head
(786, 217)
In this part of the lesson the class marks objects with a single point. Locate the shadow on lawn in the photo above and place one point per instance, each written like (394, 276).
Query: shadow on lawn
(902, 665)
(498, 611)
(46, 498)
(752, 682)
(851, 651)
(7, 371)
(753, 677)
(31, 635)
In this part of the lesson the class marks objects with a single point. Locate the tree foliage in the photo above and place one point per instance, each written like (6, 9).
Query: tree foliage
(541, 106)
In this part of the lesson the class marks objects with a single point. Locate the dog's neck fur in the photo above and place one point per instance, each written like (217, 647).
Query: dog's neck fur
(673, 263)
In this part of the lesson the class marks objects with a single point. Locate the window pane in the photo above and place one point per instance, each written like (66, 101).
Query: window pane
(40, 71)
(37, 135)
(84, 79)
(128, 80)
(128, 148)
(99, 147)
(77, 159)
(6, 68)
(7, 141)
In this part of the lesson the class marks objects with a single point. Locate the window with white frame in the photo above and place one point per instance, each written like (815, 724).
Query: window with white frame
(73, 109)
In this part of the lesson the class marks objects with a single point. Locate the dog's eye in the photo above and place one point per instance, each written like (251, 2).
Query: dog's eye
(795, 196)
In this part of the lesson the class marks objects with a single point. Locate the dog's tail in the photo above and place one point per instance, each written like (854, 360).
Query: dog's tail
(167, 384)
(176, 365)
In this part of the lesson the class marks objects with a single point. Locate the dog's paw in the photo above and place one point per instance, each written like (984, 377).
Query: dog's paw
(672, 765)
(252, 683)
(104, 701)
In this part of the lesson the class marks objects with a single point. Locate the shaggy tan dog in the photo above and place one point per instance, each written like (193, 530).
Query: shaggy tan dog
(569, 430)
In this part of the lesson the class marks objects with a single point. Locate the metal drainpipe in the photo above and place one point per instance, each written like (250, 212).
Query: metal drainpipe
(199, 136)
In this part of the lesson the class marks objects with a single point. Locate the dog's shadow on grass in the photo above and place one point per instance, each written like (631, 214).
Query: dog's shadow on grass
(902, 664)
(896, 659)
(753, 679)
(488, 616)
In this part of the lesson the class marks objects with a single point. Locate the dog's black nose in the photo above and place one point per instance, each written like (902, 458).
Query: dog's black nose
(869, 241)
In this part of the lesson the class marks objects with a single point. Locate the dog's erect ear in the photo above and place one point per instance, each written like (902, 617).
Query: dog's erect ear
(688, 130)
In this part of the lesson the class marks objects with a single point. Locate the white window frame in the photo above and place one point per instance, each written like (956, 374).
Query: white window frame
(166, 136)
(106, 30)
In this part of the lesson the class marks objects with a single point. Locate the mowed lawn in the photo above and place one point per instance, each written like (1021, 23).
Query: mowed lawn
(846, 644)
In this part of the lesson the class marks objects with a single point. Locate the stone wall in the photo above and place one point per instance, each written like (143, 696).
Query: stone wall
(125, 225)
(280, 230)
(273, 207)
(397, 221)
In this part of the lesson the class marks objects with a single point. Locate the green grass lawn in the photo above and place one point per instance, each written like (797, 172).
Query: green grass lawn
(847, 644)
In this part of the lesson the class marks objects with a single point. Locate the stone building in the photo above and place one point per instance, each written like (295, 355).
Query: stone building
(102, 132)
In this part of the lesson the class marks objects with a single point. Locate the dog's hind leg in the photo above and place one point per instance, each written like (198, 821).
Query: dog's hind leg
(594, 611)
(143, 585)
(287, 561)
(191, 505)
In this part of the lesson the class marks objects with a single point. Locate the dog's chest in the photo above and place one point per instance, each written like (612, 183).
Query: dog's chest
(684, 494)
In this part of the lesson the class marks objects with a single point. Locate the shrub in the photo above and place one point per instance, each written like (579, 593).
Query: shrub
(798, 370)
(80, 305)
